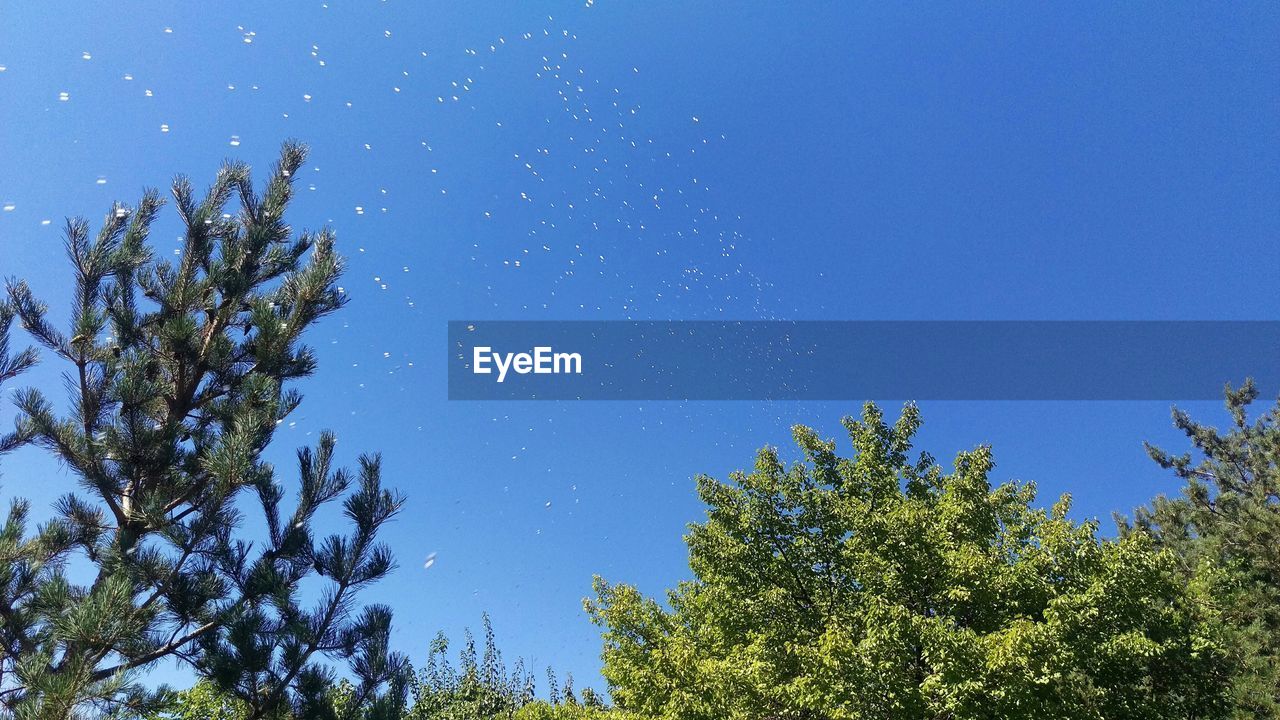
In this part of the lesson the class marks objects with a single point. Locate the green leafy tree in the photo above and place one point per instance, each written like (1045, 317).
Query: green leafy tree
(876, 586)
(540, 710)
(178, 374)
(204, 701)
(589, 707)
(1225, 530)
(479, 686)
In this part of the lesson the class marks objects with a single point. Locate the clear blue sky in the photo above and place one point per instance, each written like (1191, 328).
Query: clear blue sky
(665, 160)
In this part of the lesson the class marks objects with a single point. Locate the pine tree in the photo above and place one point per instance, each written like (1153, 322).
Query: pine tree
(1225, 528)
(179, 373)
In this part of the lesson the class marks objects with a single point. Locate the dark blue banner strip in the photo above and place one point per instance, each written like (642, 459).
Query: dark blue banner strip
(820, 360)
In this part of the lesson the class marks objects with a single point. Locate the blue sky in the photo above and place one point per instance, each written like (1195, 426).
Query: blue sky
(665, 160)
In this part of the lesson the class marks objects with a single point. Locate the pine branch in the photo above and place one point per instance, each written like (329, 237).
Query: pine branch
(179, 375)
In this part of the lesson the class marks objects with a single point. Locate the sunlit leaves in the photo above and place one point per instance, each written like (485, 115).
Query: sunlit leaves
(877, 586)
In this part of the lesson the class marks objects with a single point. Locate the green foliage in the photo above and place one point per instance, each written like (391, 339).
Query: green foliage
(880, 587)
(842, 588)
(12, 366)
(479, 686)
(203, 701)
(178, 375)
(546, 711)
(1225, 530)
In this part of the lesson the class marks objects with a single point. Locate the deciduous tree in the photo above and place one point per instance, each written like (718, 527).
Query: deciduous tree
(881, 586)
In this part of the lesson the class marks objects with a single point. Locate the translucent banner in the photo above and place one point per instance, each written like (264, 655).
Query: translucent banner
(858, 360)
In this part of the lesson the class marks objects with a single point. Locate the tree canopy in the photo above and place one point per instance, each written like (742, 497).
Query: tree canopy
(881, 586)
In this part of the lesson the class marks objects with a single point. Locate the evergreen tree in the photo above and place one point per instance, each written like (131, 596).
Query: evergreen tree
(1225, 529)
(877, 586)
(11, 366)
(179, 373)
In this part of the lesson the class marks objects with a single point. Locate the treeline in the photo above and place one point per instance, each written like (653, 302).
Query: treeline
(478, 685)
(880, 585)
(873, 584)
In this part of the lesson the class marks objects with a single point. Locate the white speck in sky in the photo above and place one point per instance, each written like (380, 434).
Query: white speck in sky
(235, 141)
